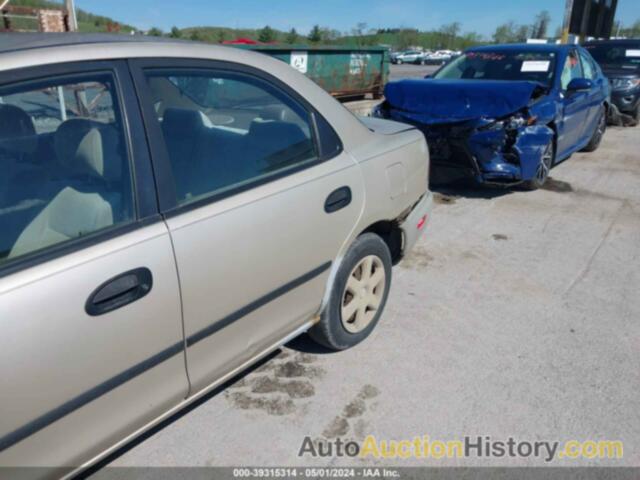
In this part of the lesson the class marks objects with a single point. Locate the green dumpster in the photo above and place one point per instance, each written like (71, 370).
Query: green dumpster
(344, 72)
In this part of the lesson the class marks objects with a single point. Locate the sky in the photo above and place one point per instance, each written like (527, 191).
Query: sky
(481, 16)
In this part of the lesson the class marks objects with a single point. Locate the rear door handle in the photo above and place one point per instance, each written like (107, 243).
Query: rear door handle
(337, 199)
(119, 291)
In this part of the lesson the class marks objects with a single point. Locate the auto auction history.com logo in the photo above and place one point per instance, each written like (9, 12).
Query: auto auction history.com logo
(469, 447)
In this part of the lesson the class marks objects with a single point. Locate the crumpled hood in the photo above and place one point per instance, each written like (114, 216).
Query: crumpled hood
(431, 101)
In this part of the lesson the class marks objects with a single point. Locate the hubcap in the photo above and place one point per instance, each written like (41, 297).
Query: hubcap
(363, 294)
(545, 164)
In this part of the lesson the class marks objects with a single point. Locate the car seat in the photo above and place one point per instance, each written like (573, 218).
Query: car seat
(88, 152)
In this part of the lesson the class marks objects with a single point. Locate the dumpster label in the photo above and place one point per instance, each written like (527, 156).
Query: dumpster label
(358, 63)
(633, 53)
(299, 61)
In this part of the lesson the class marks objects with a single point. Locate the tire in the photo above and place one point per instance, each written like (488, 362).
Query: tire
(598, 133)
(542, 173)
(368, 253)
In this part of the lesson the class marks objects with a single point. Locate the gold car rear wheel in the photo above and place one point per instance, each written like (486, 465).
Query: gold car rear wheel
(363, 294)
(358, 294)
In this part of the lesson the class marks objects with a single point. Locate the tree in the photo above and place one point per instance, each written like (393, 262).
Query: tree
(267, 35)
(558, 33)
(315, 36)
(221, 36)
(541, 25)
(631, 32)
(359, 29)
(358, 33)
(407, 37)
(511, 33)
(175, 32)
(505, 33)
(155, 32)
(196, 36)
(522, 33)
(329, 34)
(292, 37)
(469, 39)
(450, 33)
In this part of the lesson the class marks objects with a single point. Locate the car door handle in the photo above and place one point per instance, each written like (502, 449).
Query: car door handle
(119, 291)
(337, 199)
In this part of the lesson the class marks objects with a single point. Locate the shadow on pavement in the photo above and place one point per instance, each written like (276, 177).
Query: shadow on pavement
(178, 415)
(447, 193)
(305, 344)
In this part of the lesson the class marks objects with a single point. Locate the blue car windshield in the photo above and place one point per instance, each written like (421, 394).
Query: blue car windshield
(501, 65)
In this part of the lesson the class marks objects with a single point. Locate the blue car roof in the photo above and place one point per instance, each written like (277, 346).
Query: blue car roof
(524, 47)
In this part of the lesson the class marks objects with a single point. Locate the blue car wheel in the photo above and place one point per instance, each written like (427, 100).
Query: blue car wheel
(598, 133)
(542, 173)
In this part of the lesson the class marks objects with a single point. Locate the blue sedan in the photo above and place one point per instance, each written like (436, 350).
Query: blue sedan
(505, 114)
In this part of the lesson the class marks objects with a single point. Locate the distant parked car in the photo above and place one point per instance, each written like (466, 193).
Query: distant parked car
(411, 56)
(438, 58)
(171, 213)
(620, 62)
(506, 114)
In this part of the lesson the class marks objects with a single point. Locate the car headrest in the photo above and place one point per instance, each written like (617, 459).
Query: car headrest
(17, 133)
(181, 122)
(273, 112)
(273, 141)
(89, 148)
(276, 133)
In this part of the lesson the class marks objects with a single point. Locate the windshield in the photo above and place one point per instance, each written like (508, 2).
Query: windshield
(621, 56)
(501, 65)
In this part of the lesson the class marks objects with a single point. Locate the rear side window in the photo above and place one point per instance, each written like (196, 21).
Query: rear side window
(65, 171)
(224, 130)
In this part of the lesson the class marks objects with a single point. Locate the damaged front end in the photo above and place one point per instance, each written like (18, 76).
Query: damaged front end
(506, 149)
(506, 152)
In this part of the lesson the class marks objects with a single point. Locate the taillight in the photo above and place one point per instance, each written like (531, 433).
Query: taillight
(422, 222)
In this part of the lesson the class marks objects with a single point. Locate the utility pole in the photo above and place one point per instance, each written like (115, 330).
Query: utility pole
(71, 10)
(567, 21)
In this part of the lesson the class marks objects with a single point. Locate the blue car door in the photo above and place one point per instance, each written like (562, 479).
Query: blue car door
(595, 95)
(575, 107)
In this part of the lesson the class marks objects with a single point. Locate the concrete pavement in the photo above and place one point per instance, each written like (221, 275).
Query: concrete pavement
(516, 315)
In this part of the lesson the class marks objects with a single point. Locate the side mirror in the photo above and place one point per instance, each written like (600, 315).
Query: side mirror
(579, 85)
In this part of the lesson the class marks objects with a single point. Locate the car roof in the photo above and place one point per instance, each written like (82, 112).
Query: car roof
(16, 42)
(617, 41)
(24, 50)
(523, 47)
(13, 42)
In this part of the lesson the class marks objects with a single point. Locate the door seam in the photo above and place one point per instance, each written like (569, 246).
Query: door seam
(184, 335)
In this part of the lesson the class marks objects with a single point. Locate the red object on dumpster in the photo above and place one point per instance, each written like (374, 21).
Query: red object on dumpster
(241, 41)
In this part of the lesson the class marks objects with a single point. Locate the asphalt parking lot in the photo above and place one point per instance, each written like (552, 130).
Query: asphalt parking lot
(515, 316)
(398, 72)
